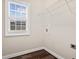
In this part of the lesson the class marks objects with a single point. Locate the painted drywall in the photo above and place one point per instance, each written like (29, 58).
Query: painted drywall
(54, 15)
(60, 21)
(16, 44)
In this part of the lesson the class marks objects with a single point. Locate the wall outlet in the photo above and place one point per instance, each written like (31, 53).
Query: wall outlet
(73, 46)
(46, 29)
(73, 58)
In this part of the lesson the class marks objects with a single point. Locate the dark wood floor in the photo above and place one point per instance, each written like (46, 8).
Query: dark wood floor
(41, 54)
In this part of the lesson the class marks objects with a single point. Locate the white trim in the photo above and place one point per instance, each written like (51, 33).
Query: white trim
(21, 53)
(29, 51)
(53, 53)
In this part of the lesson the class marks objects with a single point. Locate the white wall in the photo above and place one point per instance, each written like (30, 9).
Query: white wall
(60, 22)
(51, 14)
(16, 44)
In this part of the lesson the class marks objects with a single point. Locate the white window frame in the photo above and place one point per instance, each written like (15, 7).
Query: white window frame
(8, 32)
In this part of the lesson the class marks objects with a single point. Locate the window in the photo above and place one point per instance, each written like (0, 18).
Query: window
(18, 19)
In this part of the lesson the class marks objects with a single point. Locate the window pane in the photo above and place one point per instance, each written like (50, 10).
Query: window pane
(12, 7)
(23, 22)
(18, 27)
(23, 27)
(12, 23)
(18, 22)
(12, 13)
(12, 27)
(18, 14)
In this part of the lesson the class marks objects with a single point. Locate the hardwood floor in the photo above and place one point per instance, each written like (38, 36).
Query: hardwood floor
(41, 54)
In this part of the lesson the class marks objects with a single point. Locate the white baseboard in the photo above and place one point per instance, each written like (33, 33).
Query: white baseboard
(53, 53)
(29, 51)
